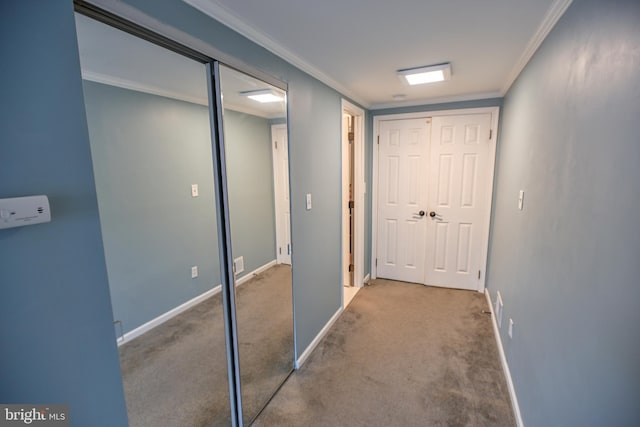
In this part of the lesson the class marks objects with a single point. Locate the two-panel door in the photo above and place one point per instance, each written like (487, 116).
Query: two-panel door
(433, 196)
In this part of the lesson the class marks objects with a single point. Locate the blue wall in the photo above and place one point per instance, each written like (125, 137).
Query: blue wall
(147, 150)
(251, 193)
(567, 266)
(58, 344)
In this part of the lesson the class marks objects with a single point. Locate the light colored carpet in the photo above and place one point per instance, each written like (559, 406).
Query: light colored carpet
(176, 374)
(400, 355)
(264, 309)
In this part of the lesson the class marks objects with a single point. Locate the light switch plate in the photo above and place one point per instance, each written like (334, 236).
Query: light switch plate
(194, 190)
(309, 201)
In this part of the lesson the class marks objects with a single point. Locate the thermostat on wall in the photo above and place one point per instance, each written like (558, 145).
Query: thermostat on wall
(19, 211)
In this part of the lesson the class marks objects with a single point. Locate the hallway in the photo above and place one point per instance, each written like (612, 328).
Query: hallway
(400, 354)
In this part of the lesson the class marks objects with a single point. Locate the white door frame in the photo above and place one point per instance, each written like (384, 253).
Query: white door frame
(494, 111)
(359, 188)
(280, 259)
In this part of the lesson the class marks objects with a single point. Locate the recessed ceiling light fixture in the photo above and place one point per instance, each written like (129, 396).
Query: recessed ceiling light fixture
(430, 74)
(264, 96)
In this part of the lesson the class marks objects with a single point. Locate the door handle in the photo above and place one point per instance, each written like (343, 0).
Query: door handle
(434, 215)
(419, 215)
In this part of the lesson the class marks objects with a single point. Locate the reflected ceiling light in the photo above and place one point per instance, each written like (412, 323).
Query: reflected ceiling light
(430, 74)
(264, 96)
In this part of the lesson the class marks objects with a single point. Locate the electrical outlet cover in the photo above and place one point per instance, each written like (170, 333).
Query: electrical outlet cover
(238, 263)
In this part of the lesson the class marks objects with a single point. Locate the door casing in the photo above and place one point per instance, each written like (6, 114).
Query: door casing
(359, 187)
(280, 147)
(494, 111)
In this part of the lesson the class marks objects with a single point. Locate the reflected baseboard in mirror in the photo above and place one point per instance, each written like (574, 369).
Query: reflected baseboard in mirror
(169, 373)
(175, 374)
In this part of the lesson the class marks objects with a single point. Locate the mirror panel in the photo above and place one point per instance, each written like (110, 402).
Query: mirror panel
(256, 149)
(150, 136)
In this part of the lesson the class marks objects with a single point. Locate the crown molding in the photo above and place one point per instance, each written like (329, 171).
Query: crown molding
(555, 12)
(138, 87)
(441, 100)
(229, 19)
(251, 111)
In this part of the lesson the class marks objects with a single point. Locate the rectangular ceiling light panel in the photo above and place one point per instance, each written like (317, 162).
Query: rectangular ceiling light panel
(430, 74)
(264, 96)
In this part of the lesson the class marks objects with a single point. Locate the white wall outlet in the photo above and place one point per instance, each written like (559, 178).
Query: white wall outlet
(309, 201)
(498, 309)
(521, 200)
(194, 271)
(194, 190)
(238, 265)
(510, 328)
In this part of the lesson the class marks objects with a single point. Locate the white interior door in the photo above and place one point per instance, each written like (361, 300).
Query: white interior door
(281, 185)
(402, 195)
(459, 193)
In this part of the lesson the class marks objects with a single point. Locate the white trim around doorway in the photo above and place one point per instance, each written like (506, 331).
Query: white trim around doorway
(359, 189)
(279, 196)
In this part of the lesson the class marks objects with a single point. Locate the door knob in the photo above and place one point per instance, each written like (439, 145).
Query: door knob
(421, 213)
(433, 214)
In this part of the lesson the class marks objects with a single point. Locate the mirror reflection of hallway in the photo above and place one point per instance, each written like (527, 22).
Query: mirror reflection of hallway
(150, 136)
(256, 149)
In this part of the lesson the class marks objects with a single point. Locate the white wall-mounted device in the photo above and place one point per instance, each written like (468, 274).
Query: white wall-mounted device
(19, 211)
(521, 199)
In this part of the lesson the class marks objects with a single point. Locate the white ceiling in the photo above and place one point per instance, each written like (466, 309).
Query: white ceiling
(356, 46)
(233, 83)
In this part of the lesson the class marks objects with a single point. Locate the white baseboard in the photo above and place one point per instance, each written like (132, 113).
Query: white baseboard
(187, 305)
(307, 352)
(168, 315)
(258, 270)
(505, 365)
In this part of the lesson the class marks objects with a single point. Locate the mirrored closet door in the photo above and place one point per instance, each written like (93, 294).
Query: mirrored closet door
(150, 135)
(256, 151)
(191, 165)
